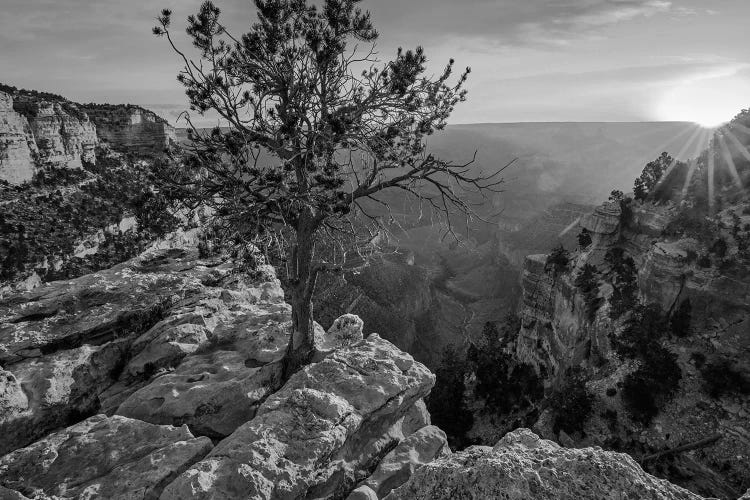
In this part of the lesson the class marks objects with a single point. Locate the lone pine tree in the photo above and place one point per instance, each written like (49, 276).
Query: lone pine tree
(316, 127)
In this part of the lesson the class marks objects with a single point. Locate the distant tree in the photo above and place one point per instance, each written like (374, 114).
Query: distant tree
(558, 260)
(584, 238)
(616, 196)
(587, 282)
(316, 129)
(680, 321)
(571, 403)
(650, 176)
(446, 401)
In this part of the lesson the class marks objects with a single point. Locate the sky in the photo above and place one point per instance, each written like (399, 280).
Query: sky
(531, 60)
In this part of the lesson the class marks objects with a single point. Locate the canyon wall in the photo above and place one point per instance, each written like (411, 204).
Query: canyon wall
(131, 128)
(35, 133)
(38, 131)
(565, 327)
(17, 145)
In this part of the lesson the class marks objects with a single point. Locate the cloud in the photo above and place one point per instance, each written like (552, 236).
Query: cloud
(514, 23)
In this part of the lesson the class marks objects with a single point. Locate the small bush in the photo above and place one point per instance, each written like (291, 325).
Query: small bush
(571, 404)
(446, 402)
(584, 238)
(651, 384)
(557, 261)
(722, 378)
(679, 324)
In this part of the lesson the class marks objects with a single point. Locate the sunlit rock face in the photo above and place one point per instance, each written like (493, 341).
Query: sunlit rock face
(64, 135)
(132, 128)
(523, 466)
(17, 145)
(319, 434)
(102, 457)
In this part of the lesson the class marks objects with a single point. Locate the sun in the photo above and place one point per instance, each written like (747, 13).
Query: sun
(709, 102)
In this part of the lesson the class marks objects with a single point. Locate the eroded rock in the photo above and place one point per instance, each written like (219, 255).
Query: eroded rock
(318, 435)
(103, 457)
(523, 466)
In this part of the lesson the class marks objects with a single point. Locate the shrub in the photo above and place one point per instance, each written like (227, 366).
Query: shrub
(679, 324)
(571, 404)
(704, 261)
(721, 378)
(658, 374)
(504, 383)
(446, 401)
(587, 282)
(624, 282)
(584, 238)
(651, 384)
(649, 178)
(557, 261)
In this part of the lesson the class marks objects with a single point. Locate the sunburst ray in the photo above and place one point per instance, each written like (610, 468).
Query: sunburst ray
(727, 156)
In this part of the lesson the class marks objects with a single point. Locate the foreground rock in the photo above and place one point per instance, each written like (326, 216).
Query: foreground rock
(204, 335)
(523, 466)
(102, 457)
(325, 430)
(427, 444)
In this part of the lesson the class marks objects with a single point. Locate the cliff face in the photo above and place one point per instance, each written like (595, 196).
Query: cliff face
(17, 145)
(42, 129)
(64, 136)
(38, 132)
(132, 128)
(567, 327)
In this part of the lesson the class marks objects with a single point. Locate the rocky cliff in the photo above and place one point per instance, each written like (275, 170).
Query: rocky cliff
(522, 466)
(646, 329)
(41, 129)
(131, 128)
(35, 133)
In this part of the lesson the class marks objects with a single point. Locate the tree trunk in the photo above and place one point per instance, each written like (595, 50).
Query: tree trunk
(301, 347)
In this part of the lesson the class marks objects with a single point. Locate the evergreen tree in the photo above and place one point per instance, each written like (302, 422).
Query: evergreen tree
(312, 139)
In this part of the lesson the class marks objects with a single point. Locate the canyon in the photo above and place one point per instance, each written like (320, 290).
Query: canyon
(156, 371)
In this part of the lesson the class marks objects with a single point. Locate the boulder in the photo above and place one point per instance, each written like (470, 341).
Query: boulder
(320, 434)
(103, 457)
(52, 391)
(345, 330)
(422, 447)
(523, 466)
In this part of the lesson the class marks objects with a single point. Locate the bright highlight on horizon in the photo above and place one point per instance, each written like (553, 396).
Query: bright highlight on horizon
(709, 102)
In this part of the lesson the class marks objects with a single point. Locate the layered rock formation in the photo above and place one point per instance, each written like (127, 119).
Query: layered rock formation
(43, 129)
(39, 132)
(565, 327)
(131, 128)
(17, 145)
(522, 466)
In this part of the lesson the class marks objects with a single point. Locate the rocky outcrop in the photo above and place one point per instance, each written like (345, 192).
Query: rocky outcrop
(70, 349)
(131, 128)
(63, 134)
(422, 447)
(41, 129)
(523, 466)
(37, 132)
(169, 351)
(563, 326)
(323, 431)
(17, 145)
(102, 457)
